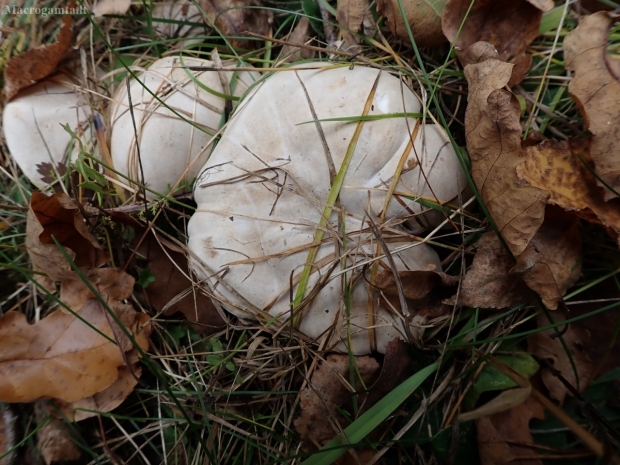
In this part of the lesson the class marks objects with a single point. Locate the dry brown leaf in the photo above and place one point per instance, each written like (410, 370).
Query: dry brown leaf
(396, 367)
(508, 26)
(58, 216)
(300, 35)
(234, 17)
(488, 283)
(594, 5)
(54, 438)
(61, 356)
(319, 420)
(111, 7)
(549, 348)
(504, 437)
(595, 88)
(111, 283)
(555, 166)
(424, 290)
(493, 134)
(350, 15)
(424, 17)
(171, 279)
(103, 401)
(29, 67)
(551, 264)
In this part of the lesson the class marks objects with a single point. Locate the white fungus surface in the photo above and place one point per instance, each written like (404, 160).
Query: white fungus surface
(32, 124)
(261, 195)
(175, 117)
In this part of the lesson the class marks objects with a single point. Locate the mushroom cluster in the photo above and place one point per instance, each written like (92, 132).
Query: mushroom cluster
(271, 237)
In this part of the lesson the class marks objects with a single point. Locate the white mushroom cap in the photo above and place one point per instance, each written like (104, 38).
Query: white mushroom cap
(263, 191)
(179, 10)
(172, 149)
(32, 124)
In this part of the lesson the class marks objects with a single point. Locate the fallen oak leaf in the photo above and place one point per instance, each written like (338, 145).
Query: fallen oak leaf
(350, 15)
(57, 216)
(493, 133)
(56, 442)
(423, 16)
(508, 26)
(62, 357)
(425, 290)
(319, 420)
(170, 268)
(300, 35)
(488, 283)
(595, 88)
(327, 391)
(234, 17)
(551, 263)
(547, 345)
(111, 283)
(555, 166)
(29, 67)
(103, 401)
(505, 438)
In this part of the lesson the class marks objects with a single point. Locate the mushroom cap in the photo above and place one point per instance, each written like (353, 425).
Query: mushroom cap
(179, 10)
(32, 124)
(172, 149)
(262, 193)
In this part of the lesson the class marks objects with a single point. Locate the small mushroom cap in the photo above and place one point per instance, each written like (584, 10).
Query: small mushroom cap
(32, 124)
(262, 194)
(183, 11)
(172, 148)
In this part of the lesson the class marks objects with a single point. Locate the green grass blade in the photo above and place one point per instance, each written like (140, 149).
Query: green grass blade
(369, 420)
(353, 119)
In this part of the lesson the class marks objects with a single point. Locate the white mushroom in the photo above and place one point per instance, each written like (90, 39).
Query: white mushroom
(179, 11)
(33, 126)
(262, 194)
(176, 128)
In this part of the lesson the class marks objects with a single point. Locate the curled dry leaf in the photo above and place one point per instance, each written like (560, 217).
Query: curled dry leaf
(505, 438)
(350, 15)
(300, 35)
(61, 356)
(29, 67)
(424, 17)
(488, 283)
(424, 290)
(55, 440)
(595, 88)
(555, 166)
(550, 265)
(111, 7)
(173, 291)
(72, 355)
(234, 17)
(103, 401)
(329, 389)
(546, 345)
(58, 216)
(508, 26)
(493, 134)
